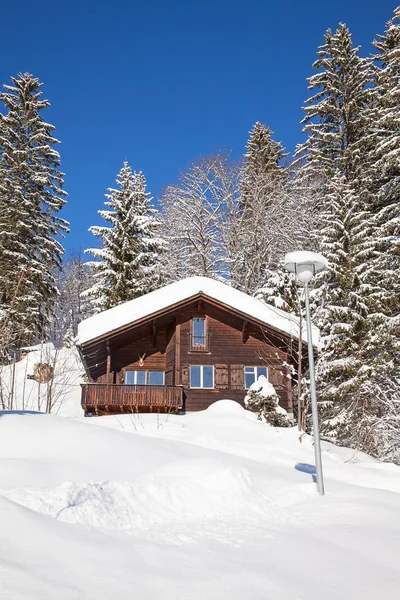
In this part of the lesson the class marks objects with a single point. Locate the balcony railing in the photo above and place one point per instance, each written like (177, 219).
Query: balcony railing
(199, 342)
(100, 397)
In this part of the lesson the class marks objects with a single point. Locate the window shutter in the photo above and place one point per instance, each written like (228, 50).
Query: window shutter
(185, 375)
(237, 377)
(275, 376)
(221, 377)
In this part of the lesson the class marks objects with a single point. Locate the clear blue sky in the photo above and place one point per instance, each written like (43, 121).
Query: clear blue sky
(162, 83)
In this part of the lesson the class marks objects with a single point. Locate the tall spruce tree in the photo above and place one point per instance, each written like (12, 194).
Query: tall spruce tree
(341, 314)
(334, 112)
(266, 220)
(354, 381)
(381, 179)
(379, 265)
(31, 195)
(263, 157)
(131, 246)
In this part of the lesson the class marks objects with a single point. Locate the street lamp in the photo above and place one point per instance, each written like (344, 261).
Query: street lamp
(305, 265)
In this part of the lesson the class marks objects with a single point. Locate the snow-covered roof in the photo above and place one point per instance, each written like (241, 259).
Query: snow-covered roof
(135, 310)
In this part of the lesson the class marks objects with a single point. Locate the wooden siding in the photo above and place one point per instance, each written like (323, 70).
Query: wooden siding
(170, 358)
(164, 345)
(229, 354)
(128, 357)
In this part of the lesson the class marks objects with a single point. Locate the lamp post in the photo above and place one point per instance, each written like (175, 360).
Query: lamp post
(305, 265)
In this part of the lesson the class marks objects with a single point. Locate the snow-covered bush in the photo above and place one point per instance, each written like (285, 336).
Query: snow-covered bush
(263, 399)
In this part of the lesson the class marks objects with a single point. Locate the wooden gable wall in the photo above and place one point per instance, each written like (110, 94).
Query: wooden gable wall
(229, 354)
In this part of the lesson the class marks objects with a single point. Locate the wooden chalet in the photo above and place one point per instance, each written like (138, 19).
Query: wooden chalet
(183, 347)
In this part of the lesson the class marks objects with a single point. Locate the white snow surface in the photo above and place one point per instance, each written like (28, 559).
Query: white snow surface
(264, 387)
(213, 505)
(64, 391)
(305, 256)
(129, 312)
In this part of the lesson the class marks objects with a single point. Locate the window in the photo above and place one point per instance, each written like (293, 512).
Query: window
(156, 377)
(199, 335)
(201, 377)
(144, 377)
(251, 374)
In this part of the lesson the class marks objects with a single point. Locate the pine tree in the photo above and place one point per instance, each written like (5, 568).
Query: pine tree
(333, 118)
(263, 399)
(266, 221)
(353, 374)
(378, 268)
(263, 157)
(381, 182)
(341, 313)
(131, 247)
(31, 195)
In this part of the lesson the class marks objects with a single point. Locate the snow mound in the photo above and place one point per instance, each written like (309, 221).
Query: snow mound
(194, 506)
(264, 387)
(227, 408)
(182, 491)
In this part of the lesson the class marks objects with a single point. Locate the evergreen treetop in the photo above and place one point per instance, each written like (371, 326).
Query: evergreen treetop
(333, 118)
(127, 266)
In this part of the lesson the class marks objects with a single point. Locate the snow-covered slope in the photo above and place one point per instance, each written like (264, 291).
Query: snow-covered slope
(144, 306)
(211, 505)
(63, 392)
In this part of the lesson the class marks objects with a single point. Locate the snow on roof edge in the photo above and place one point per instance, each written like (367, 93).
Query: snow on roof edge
(129, 312)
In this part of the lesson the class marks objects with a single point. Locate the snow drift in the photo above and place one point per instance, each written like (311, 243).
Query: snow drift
(210, 505)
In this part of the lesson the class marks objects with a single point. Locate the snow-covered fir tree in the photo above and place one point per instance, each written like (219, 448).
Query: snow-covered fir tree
(380, 179)
(263, 157)
(333, 120)
(262, 191)
(341, 313)
(263, 400)
(31, 197)
(379, 260)
(267, 222)
(353, 373)
(127, 265)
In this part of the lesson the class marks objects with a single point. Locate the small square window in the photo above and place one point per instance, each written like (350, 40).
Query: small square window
(156, 377)
(202, 377)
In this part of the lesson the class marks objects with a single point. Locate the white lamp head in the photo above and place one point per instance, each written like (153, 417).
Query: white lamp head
(305, 264)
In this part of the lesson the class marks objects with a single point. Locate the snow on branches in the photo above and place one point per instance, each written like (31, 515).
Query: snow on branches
(127, 261)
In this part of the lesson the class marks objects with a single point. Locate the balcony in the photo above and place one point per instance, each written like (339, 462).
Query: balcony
(101, 398)
(199, 342)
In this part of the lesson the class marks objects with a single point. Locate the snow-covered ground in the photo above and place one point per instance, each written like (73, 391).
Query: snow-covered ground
(63, 391)
(211, 505)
